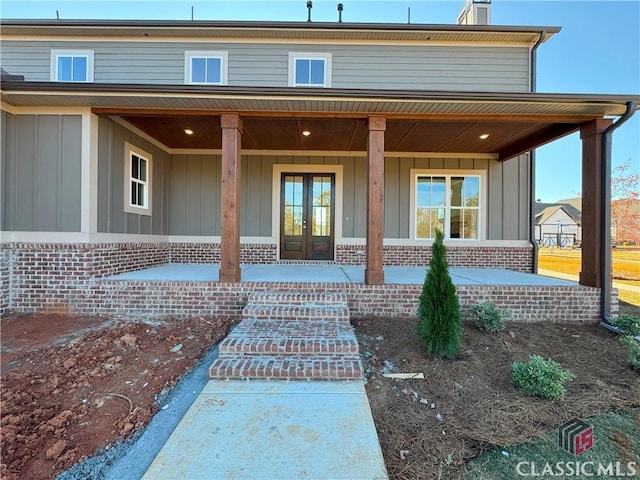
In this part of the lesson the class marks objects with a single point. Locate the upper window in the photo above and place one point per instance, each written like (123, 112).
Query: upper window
(137, 189)
(309, 69)
(451, 203)
(205, 68)
(71, 65)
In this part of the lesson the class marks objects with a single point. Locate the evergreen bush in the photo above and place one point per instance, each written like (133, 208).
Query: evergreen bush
(628, 324)
(633, 349)
(489, 317)
(541, 378)
(439, 310)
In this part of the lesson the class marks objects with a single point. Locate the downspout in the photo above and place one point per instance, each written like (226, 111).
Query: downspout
(605, 209)
(532, 164)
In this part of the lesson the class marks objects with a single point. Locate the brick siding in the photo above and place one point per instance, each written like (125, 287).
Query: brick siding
(512, 258)
(70, 277)
(210, 253)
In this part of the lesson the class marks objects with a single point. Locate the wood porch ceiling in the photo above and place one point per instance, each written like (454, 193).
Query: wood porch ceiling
(507, 136)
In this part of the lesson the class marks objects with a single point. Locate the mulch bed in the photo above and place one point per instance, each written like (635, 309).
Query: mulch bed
(431, 428)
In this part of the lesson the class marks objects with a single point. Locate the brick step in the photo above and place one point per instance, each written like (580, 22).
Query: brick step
(287, 345)
(303, 298)
(326, 329)
(294, 312)
(287, 367)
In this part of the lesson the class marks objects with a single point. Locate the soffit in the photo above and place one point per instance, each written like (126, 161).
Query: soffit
(279, 30)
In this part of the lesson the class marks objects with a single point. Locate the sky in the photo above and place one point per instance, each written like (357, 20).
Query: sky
(597, 51)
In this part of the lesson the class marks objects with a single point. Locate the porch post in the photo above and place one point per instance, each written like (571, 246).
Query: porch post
(374, 274)
(231, 124)
(591, 136)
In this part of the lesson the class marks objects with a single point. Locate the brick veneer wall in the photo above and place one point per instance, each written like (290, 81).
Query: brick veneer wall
(210, 253)
(184, 299)
(512, 258)
(5, 282)
(63, 277)
(52, 276)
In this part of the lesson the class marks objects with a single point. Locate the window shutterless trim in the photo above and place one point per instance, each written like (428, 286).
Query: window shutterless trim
(130, 150)
(189, 55)
(448, 175)
(293, 56)
(63, 52)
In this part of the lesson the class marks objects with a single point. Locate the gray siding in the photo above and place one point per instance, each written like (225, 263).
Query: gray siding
(111, 170)
(41, 172)
(470, 68)
(194, 199)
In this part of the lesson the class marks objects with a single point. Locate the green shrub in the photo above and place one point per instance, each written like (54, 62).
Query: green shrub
(439, 310)
(633, 349)
(629, 324)
(489, 317)
(541, 378)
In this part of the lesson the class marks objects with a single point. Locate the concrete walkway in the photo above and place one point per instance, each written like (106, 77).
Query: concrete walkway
(249, 424)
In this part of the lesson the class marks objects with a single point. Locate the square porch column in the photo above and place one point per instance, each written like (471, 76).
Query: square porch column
(374, 273)
(231, 124)
(591, 136)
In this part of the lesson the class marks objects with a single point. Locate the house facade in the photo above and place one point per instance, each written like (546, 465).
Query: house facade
(557, 225)
(128, 144)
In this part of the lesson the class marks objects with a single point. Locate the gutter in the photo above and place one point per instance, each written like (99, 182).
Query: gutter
(532, 164)
(605, 227)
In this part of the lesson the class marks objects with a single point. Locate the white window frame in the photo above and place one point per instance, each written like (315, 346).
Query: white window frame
(130, 150)
(57, 52)
(189, 55)
(482, 209)
(293, 56)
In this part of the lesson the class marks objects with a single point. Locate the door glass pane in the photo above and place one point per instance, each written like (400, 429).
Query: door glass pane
(293, 204)
(321, 218)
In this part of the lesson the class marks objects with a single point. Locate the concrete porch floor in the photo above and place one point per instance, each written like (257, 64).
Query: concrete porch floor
(178, 272)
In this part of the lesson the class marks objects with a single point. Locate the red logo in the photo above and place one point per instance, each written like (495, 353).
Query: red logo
(576, 436)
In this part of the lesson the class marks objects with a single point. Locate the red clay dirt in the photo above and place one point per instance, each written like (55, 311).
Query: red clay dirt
(72, 385)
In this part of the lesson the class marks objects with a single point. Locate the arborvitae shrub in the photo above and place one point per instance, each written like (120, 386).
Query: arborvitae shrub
(439, 310)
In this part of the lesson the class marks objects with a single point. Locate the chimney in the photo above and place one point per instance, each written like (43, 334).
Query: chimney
(475, 12)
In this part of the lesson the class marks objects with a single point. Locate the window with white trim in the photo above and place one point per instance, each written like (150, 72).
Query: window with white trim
(309, 69)
(205, 68)
(451, 203)
(137, 188)
(71, 65)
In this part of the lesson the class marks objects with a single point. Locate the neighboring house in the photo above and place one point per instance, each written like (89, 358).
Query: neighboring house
(133, 143)
(557, 224)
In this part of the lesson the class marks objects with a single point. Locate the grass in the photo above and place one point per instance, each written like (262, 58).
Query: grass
(626, 267)
(616, 439)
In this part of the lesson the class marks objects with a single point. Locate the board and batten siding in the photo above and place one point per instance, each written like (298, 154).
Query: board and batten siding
(41, 172)
(111, 171)
(426, 67)
(194, 194)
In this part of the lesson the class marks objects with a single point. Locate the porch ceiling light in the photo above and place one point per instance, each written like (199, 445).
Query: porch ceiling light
(188, 131)
(484, 136)
(306, 133)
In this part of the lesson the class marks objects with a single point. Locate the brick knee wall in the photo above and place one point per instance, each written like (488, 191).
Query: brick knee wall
(512, 258)
(210, 253)
(50, 277)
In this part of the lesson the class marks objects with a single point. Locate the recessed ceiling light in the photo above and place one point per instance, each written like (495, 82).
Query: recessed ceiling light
(188, 131)
(484, 136)
(306, 133)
